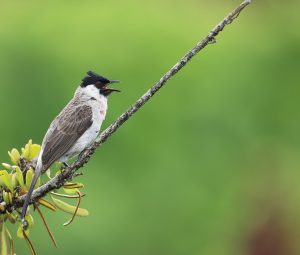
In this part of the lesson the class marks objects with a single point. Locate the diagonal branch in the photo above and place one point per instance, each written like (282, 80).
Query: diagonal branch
(84, 157)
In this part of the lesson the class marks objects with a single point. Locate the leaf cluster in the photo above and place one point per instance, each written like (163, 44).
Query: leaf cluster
(15, 180)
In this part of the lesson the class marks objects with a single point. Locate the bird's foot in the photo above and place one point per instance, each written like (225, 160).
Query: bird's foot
(64, 166)
(81, 154)
(77, 174)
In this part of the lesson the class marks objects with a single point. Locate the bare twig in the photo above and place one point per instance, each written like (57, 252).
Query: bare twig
(46, 226)
(68, 172)
(74, 214)
(30, 244)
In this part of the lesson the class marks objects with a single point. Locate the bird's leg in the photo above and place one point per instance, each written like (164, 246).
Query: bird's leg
(64, 166)
(81, 154)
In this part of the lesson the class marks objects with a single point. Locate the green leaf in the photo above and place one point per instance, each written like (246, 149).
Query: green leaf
(38, 183)
(34, 151)
(47, 204)
(6, 179)
(48, 173)
(19, 176)
(14, 155)
(1, 180)
(29, 220)
(4, 249)
(7, 197)
(73, 185)
(29, 142)
(11, 217)
(20, 232)
(29, 177)
(26, 151)
(14, 181)
(12, 247)
(71, 191)
(7, 166)
(69, 208)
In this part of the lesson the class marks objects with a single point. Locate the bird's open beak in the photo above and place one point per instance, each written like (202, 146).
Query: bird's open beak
(111, 89)
(113, 81)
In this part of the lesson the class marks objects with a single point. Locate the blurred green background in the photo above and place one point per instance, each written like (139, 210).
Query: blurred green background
(210, 166)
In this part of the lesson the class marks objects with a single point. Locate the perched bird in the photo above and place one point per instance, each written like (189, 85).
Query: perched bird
(75, 128)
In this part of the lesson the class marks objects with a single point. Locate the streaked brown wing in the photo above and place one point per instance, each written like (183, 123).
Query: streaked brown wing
(72, 123)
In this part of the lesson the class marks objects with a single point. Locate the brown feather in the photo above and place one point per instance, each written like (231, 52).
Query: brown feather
(68, 130)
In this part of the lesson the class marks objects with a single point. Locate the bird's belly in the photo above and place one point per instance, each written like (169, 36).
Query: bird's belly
(87, 138)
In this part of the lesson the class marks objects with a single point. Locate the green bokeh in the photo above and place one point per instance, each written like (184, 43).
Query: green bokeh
(204, 165)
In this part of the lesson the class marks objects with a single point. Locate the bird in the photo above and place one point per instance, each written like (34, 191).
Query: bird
(74, 128)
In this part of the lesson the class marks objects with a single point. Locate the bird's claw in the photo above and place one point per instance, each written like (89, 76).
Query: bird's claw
(65, 165)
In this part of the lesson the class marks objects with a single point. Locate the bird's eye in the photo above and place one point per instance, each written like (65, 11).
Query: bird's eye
(98, 84)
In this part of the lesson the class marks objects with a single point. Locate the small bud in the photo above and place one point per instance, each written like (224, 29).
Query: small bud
(20, 230)
(26, 151)
(29, 177)
(29, 220)
(7, 166)
(5, 178)
(34, 151)
(19, 176)
(14, 156)
(7, 197)
(2, 208)
(11, 217)
(14, 181)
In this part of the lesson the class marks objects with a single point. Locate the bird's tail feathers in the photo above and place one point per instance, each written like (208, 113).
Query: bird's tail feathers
(37, 174)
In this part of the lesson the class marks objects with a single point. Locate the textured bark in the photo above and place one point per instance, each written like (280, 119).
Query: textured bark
(84, 157)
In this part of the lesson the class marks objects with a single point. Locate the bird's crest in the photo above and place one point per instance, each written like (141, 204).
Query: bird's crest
(92, 78)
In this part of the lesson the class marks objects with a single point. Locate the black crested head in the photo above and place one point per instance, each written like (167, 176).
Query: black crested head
(94, 78)
(99, 82)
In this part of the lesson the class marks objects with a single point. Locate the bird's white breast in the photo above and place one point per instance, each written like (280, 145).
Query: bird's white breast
(99, 108)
